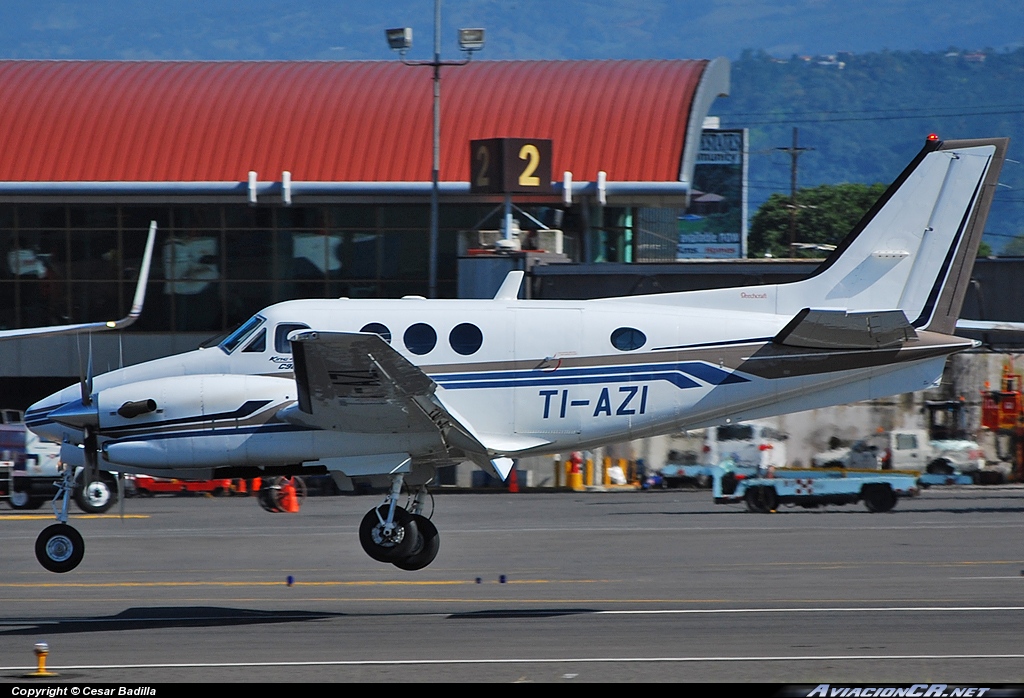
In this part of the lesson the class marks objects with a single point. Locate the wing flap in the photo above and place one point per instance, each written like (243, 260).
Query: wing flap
(831, 328)
(356, 382)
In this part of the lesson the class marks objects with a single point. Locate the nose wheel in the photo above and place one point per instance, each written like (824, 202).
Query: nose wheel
(59, 548)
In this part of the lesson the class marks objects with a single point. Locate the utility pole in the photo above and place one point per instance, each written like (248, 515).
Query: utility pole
(794, 153)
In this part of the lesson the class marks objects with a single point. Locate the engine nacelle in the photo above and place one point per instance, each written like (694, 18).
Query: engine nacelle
(200, 421)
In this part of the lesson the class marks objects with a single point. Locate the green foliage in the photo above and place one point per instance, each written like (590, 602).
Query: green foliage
(824, 216)
(1014, 248)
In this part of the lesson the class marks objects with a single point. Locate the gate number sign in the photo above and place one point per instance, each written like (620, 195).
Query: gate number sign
(510, 166)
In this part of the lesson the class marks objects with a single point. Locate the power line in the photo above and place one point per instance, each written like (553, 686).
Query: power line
(899, 110)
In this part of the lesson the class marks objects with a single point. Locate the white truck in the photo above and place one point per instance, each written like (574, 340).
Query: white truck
(30, 468)
(906, 449)
(746, 445)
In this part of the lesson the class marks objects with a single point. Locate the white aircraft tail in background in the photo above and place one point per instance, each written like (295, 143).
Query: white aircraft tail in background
(400, 387)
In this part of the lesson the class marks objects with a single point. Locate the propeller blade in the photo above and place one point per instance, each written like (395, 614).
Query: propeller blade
(81, 373)
(88, 378)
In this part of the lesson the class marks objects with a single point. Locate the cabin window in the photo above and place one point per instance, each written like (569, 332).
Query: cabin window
(281, 343)
(241, 334)
(466, 338)
(258, 344)
(377, 328)
(628, 339)
(420, 338)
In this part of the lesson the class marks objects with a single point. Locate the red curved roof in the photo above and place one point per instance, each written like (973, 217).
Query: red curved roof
(66, 121)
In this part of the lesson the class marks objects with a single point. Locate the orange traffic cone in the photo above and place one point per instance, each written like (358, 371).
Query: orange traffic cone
(513, 482)
(289, 502)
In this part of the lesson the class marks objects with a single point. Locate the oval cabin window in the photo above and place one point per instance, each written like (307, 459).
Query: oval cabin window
(420, 338)
(628, 339)
(466, 338)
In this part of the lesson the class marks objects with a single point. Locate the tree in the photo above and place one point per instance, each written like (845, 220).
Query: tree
(824, 216)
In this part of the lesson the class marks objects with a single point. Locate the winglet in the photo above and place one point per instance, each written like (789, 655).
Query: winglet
(132, 316)
(509, 290)
(140, 287)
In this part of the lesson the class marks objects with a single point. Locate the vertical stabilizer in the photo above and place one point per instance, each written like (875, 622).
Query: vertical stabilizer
(915, 249)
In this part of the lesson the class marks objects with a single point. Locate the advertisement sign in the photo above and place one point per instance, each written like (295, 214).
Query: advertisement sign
(715, 224)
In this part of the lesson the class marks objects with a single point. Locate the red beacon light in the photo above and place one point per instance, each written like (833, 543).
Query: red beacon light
(933, 137)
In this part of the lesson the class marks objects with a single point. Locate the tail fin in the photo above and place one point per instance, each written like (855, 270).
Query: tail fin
(915, 249)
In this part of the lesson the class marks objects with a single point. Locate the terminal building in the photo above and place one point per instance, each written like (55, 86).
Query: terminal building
(279, 180)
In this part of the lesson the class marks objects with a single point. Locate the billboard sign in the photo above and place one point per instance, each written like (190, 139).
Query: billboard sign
(715, 224)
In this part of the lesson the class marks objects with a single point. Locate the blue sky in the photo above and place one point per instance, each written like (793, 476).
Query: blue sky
(336, 29)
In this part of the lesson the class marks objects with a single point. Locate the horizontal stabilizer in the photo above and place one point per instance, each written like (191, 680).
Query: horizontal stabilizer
(990, 325)
(819, 328)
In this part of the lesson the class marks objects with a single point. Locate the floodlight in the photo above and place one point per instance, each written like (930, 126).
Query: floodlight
(400, 38)
(471, 39)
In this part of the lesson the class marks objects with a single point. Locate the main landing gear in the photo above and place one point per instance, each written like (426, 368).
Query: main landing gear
(389, 533)
(59, 548)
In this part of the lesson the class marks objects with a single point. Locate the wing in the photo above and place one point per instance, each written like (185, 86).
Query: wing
(132, 316)
(356, 382)
(829, 328)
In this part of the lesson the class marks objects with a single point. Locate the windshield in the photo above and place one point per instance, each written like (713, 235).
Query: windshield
(240, 335)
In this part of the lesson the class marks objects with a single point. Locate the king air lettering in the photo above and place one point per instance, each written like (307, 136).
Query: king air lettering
(622, 401)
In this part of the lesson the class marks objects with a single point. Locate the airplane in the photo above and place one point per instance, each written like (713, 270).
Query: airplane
(400, 387)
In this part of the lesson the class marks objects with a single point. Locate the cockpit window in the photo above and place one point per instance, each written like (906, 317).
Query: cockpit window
(241, 334)
(281, 343)
(257, 345)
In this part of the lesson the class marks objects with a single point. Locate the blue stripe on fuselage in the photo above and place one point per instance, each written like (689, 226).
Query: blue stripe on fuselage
(675, 373)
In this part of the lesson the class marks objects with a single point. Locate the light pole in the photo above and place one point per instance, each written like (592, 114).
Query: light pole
(470, 40)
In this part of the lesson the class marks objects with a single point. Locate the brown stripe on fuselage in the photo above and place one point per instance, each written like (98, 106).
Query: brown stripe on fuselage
(764, 359)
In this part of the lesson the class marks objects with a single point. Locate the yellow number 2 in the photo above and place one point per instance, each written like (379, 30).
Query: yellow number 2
(530, 153)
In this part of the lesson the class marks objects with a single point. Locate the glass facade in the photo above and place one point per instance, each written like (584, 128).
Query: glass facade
(215, 264)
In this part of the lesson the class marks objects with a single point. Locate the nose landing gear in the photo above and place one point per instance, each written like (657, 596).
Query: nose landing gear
(60, 548)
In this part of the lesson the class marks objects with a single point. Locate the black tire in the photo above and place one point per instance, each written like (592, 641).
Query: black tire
(60, 548)
(24, 501)
(268, 494)
(878, 498)
(426, 551)
(940, 466)
(404, 539)
(762, 500)
(97, 496)
(834, 464)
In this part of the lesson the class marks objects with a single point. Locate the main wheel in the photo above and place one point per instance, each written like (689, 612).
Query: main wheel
(761, 500)
(59, 548)
(388, 547)
(424, 554)
(23, 500)
(879, 498)
(95, 496)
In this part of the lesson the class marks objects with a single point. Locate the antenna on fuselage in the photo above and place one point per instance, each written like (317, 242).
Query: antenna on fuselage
(509, 289)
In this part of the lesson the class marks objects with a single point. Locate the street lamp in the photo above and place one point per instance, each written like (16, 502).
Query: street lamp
(470, 40)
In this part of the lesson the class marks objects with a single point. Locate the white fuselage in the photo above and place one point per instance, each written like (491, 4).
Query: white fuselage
(546, 373)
